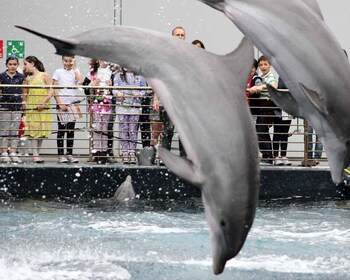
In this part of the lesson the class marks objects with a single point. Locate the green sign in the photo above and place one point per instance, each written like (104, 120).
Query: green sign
(15, 48)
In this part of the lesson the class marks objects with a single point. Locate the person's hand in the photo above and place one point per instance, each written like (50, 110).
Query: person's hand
(156, 106)
(95, 82)
(41, 107)
(253, 90)
(120, 95)
(63, 107)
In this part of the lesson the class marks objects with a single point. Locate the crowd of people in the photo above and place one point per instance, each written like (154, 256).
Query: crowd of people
(134, 108)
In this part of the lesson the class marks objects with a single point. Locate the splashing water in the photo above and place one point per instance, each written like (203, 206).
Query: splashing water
(168, 240)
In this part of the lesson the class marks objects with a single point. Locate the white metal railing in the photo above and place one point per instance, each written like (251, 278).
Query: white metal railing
(298, 149)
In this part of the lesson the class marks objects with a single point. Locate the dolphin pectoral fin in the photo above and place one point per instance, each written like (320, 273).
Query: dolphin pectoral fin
(63, 46)
(180, 166)
(315, 100)
(285, 101)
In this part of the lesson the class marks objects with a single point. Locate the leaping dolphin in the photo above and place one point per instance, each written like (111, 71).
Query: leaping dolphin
(203, 94)
(294, 37)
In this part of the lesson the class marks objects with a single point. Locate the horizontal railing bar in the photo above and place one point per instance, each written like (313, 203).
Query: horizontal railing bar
(74, 87)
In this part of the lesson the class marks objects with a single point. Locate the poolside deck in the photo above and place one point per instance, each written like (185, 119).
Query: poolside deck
(87, 180)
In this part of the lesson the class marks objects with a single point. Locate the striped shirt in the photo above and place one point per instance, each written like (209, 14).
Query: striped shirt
(268, 79)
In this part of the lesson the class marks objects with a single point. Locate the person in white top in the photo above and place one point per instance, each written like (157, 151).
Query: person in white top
(65, 99)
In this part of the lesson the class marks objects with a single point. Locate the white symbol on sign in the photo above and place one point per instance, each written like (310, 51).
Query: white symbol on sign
(14, 50)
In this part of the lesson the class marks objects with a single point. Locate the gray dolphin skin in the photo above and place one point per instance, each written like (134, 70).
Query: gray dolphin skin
(203, 94)
(309, 59)
(125, 191)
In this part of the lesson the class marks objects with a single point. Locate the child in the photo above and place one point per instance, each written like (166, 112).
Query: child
(100, 107)
(266, 117)
(10, 110)
(67, 97)
(280, 134)
(129, 111)
(253, 95)
(157, 126)
(38, 115)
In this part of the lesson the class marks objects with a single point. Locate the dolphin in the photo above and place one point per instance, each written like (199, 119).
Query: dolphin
(125, 191)
(309, 59)
(203, 94)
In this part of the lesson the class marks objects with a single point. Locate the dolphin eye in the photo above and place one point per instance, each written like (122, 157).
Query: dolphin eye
(223, 223)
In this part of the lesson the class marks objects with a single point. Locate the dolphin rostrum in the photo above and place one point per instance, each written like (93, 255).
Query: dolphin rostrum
(203, 94)
(294, 37)
(125, 191)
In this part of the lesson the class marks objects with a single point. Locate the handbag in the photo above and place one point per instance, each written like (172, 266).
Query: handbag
(70, 115)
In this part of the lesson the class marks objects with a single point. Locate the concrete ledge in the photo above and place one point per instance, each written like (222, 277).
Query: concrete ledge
(92, 182)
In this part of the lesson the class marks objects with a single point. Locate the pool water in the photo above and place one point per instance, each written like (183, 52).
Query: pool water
(168, 240)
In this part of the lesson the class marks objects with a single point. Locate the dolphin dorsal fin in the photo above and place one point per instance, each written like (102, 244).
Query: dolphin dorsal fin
(315, 99)
(182, 167)
(315, 7)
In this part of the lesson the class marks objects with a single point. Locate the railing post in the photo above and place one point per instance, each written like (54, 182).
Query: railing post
(307, 161)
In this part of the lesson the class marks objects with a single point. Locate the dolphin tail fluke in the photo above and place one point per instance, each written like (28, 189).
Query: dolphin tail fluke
(240, 62)
(285, 101)
(180, 166)
(63, 46)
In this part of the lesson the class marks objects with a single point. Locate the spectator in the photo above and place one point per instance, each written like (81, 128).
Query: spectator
(11, 110)
(168, 131)
(68, 97)
(157, 125)
(314, 148)
(100, 107)
(198, 44)
(128, 111)
(266, 117)
(145, 122)
(251, 94)
(179, 32)
(110, 151)
(281, 133)
(35, 103)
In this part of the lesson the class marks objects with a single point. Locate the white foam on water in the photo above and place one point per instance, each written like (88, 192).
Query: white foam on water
(136, 227)
(308, 235)
(85, 263)
(66, 269)
(277, 264)
(334, 235)
(286, 264)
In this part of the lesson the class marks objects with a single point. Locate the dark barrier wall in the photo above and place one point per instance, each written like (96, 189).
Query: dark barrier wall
(153, 183)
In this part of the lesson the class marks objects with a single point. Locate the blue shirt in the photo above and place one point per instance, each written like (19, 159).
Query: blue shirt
(11, 98)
